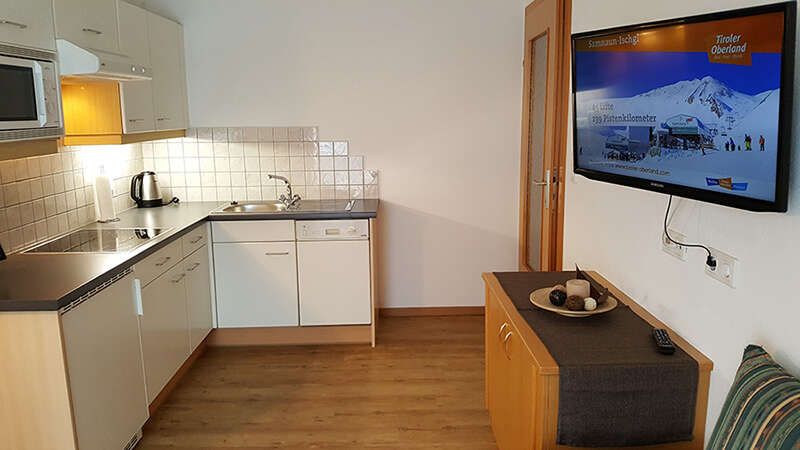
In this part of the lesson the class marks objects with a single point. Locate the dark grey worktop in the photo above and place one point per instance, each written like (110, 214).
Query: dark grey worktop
(48, 282)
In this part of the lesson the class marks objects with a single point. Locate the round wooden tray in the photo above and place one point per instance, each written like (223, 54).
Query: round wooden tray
(541, 298)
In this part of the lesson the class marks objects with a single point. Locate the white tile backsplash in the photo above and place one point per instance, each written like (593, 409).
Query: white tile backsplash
(222, 164)
(44, 196)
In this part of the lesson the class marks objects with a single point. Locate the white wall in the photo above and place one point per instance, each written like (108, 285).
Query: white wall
(429, 92)
(617, 231)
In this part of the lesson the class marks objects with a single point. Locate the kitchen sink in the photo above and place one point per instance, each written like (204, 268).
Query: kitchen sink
(255, 207)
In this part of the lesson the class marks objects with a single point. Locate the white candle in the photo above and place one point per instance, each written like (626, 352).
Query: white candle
(578, 287)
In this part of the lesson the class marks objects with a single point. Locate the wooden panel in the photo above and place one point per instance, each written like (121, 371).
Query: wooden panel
(373, 267)
(26, 149)
(432, 311)
(35, 410)
(91, 108)
(117, 139)
(346, 334)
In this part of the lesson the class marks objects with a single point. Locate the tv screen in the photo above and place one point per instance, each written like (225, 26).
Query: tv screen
(697, 107)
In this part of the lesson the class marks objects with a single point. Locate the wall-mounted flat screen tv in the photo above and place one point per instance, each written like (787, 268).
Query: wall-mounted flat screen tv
(698, 107)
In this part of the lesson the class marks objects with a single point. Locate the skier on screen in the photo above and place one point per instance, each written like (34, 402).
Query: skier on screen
(748, 143)
(733, 145)
(727, 146)
(761, 142)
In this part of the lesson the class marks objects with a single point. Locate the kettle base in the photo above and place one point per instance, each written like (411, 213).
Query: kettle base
(150, 203)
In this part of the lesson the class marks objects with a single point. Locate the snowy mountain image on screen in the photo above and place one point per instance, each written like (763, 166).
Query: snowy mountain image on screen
(708, 99)
(685, 133)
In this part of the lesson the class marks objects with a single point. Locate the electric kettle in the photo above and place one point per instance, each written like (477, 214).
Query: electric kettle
(145, 191)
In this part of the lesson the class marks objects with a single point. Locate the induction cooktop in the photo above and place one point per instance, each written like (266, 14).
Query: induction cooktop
(99, 241)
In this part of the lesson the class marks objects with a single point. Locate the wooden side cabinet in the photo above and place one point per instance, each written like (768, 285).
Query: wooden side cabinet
(522, 378)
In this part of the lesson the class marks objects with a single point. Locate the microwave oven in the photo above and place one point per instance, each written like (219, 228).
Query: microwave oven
(31, 95)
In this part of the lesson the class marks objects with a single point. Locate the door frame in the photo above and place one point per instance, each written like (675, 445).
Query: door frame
(557, 92)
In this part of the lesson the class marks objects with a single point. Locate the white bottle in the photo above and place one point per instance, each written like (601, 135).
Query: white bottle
(103, 197)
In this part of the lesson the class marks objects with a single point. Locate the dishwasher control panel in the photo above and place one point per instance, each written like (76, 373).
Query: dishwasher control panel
(332, 230)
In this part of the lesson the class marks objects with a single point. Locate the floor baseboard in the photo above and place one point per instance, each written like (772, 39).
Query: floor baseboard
(426, 311)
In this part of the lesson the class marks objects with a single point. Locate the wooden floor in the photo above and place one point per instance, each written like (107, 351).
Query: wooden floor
(420, 388)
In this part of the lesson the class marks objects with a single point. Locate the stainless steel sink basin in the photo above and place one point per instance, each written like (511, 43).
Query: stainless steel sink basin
(255, 207)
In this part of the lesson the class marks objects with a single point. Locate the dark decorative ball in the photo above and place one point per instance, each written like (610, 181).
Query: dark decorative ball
(558, 297)
(575, 303)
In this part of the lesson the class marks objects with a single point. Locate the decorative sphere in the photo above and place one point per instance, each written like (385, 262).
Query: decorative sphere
(557, 297)
(560, 287)
(575, 303)
(589, 304)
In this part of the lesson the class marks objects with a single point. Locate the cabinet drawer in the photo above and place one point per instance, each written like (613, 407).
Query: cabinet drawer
(253, 231)
(159, 262)
(194, 239)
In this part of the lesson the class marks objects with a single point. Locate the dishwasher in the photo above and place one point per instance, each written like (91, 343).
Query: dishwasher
(333, 272)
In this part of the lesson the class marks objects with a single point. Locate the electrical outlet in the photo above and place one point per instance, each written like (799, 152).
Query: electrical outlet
(672, 248)
(725, 271)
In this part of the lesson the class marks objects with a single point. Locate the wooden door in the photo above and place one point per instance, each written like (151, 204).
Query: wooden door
(544, 132)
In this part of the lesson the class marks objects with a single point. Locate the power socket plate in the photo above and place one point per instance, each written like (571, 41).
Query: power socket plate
(725, 272)
(672, 248)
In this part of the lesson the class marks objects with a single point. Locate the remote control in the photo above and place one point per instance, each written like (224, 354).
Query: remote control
(663, 342)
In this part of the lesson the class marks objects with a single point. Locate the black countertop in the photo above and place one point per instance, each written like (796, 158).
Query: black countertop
(49, 282)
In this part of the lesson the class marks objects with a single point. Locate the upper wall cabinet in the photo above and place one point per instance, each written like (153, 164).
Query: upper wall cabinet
(92, 23)
(136, 97)
(133, 111)
(27, 23)
(169, 76)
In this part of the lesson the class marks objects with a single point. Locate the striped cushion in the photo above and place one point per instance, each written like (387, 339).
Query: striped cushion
(762, 410)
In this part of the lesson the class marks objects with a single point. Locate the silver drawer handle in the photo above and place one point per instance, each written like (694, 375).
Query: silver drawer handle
(93, 31)
(163, 261)
(277, 253)
(178, 279)
(162, 118)
(196, 240)
(21, 26)
(135, 120)
(194, 266)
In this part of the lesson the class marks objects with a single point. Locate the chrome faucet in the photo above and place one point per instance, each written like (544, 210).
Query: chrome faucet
(290, 200)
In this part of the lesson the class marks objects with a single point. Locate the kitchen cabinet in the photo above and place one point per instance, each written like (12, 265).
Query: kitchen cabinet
(106, 377)
(169, 73)
(90, 23)
(198, 296)
(256, 284)
(28, 23)
(136, 97)
(164, 328)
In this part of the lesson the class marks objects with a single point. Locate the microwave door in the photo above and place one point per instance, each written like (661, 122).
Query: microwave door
(22, 90)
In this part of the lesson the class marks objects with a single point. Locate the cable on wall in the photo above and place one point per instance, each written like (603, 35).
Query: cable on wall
(711, 262)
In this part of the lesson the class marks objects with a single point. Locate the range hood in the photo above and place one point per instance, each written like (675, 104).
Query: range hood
(78, 62)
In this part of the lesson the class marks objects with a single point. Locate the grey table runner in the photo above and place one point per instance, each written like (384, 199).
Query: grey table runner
(615, 390)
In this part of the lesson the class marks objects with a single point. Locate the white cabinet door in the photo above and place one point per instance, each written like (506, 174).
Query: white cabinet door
(106, 377)
(136, 96)
(169, 79)
(334, 282)
(256, 284)
(28, 23)
(165, 329)
(198, 295)
(92, 23)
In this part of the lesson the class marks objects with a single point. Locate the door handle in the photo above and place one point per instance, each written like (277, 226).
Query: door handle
(502, 329)
(194, 266)
(196, 240)
(93, 31)
(178, 278)
(277, 254)
(19, 25)
(163, 261)
(546, 184)
(137, 296)
(505, 344)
